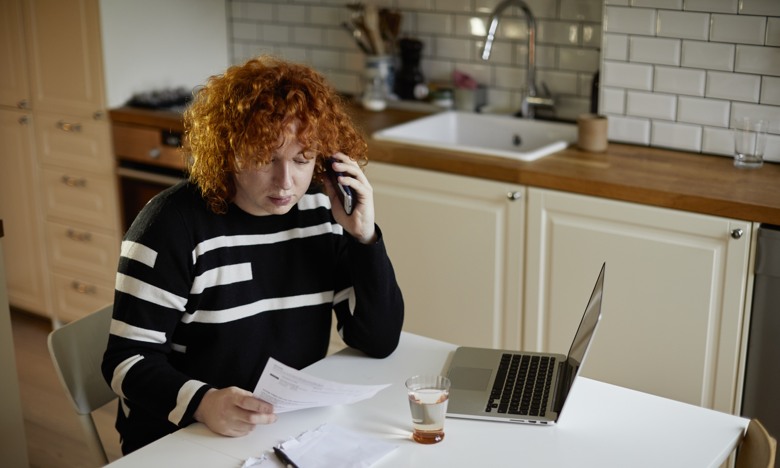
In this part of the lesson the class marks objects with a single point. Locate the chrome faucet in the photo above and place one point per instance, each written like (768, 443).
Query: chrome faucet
(532, 98)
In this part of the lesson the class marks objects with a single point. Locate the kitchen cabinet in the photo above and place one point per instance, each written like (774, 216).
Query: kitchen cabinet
(25, 261)
(674, 296)
(456, 244)
(52, 65)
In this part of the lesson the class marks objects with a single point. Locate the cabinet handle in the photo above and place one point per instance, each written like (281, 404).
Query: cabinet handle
(155, 153)
(514, 195)
(736, 233)
(73, 182)
(79, 236)
(24, 120)
(83, 288)
(23, 104)
(69, 127)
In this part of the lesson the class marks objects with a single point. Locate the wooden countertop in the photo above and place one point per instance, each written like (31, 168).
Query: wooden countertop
(650, 176)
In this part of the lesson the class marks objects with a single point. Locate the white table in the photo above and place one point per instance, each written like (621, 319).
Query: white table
(602, 426)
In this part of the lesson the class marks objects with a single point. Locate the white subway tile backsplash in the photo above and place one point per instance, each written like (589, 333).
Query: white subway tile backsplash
(558, 32)
(581, 10)
(613, 101)
(652, 105)
(665, 4)
(452, 48)
(739, 29)
(432, 23)
(654, 50)
(773, 32)
(676, 136)
(615, 47)
(673, 72)
(683, 25)
(578, 59)
(708, 55)
(772, 113)
(628, 75)
(629, 130)
(718, 141)
(630, 20)
(245, 31)
(759, 7)
(772, 151)
(733, 86)
(761, 60)
(770, 90)
(679, 80)
(702, 111)
(714, 6)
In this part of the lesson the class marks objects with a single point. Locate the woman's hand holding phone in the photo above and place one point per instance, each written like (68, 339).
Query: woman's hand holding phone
(355, 211)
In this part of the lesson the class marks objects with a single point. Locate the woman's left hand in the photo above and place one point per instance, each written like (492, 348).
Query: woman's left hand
(359, 224)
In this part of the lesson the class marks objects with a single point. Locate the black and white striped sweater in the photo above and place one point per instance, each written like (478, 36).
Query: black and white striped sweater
(203, 300)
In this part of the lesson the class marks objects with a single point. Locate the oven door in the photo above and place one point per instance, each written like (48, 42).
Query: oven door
(137, 186)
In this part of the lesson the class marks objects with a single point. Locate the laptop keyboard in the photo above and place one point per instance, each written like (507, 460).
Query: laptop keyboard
(522, 385)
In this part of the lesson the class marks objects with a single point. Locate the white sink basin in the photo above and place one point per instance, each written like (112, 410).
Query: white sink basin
(495, 135)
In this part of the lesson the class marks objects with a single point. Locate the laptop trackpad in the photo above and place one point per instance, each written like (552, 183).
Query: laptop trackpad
(470, 378)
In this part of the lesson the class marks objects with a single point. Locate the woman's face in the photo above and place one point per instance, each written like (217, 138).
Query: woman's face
(277, 186)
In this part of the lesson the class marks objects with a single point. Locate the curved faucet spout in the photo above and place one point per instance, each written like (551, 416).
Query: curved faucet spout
(530, 20)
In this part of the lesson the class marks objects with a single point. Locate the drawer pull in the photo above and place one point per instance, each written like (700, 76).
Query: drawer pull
(514, 196)
(69, 127)
(73, 181)
(737, 233)
(155, 153)
(79, 236)
(83, 288)
(23, 104)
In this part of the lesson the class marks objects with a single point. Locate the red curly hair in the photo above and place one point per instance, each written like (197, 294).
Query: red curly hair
(237, 119)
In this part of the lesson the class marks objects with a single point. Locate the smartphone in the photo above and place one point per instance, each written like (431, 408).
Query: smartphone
(344, 193)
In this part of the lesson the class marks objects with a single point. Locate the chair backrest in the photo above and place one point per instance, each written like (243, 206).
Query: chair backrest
(758, 449)
(77, 352)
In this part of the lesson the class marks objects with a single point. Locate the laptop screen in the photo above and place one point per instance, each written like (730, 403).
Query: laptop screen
(590, 319)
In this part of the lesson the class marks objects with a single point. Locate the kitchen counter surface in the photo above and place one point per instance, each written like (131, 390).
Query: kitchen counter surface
(651, 176)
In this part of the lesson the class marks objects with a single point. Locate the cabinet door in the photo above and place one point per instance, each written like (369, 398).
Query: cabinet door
(22, 221)
(64, 45)
(456, 244)
(14, 90)
(673, 297)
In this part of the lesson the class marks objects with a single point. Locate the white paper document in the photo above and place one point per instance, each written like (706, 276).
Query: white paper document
(289, 389)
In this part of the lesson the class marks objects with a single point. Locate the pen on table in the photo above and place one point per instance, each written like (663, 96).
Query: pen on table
(284, 458)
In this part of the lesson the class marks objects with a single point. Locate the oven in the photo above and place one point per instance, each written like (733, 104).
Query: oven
(149, 160)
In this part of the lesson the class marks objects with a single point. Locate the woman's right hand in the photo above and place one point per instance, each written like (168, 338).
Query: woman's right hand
(233, 411)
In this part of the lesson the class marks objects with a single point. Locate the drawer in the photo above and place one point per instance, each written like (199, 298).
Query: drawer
(75, 297)
(148, 146)
(80, 197)
(82, 250)
(75, 143)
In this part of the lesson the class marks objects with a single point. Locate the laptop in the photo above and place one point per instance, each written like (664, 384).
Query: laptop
(518, 386)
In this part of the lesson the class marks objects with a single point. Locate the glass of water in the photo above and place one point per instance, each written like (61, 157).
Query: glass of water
(749, 142)
(428, 397)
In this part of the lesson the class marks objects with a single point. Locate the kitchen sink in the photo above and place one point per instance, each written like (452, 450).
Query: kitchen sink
(490, 134)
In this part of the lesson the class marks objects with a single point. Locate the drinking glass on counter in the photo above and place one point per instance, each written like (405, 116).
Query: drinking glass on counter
(749, 142)
(428, 397)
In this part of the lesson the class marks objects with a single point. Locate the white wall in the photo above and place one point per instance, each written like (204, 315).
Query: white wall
(157, 44)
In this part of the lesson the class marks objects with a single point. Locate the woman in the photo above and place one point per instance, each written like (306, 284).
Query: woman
(248, 259)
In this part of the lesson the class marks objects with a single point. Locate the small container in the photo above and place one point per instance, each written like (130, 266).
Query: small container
(443, 97)
(377, 82)
(592, 133)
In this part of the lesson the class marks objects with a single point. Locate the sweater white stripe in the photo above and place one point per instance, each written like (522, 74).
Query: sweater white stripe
(125, 330)
(258, 307)
(138, 252)
(314, 201)
(262, 239)
(149, 293)
(186, 392)
(221, 276)
(120, 371)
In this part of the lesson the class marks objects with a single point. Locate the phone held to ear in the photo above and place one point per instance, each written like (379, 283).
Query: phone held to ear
(344, 193)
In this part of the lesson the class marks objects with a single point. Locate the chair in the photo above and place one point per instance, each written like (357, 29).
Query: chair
(77, 351)
(758, 448)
